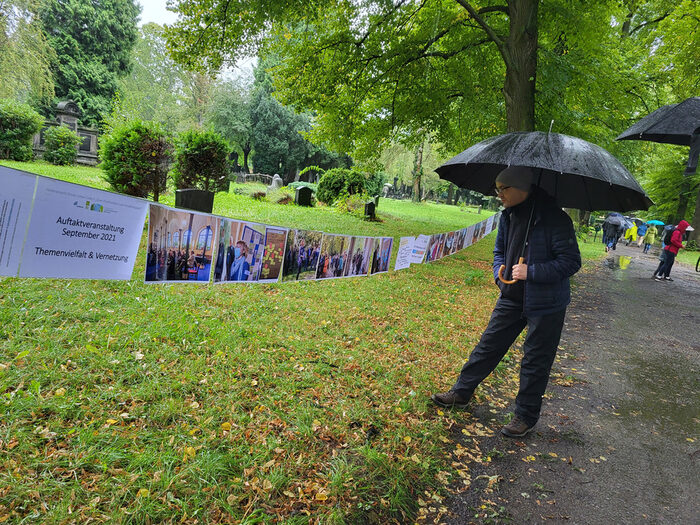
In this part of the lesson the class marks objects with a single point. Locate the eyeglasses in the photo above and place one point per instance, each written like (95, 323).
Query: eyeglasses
(500, 190)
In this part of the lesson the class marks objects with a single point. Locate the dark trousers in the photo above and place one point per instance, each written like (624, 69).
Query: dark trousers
(665, 270)
(539, 349)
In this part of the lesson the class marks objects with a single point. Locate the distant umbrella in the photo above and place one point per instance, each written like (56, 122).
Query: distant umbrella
(576, 173)
(654, 222)
(672, 124)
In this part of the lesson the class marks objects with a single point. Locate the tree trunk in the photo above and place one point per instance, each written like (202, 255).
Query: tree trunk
(683, 200)
(246, 151)
(520, 56)
(695, 223)
(417, 173)
(450, 193)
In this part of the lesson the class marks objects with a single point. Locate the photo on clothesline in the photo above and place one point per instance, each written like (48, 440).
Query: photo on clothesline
(244, 245)
(381, 253)
(180, 245)
(359, 256)
(334, 257)
(301, 255)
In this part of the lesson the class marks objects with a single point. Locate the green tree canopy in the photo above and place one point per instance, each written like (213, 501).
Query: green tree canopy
(93, 42)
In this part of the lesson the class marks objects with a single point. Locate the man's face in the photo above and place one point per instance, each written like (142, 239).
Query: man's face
(510, 195)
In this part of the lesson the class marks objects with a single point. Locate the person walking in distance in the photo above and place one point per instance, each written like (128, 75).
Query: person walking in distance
(536, 299)
(671, 250)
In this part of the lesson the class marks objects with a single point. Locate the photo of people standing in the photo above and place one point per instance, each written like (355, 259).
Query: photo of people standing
(381, 253)
(478, 232)
(242, 244)
(334, 256)
(301, 255)
(360, 253)
(180, 245)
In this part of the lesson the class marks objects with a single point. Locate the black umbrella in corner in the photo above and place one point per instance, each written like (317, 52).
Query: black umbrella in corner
(575, 172)
(672, 124)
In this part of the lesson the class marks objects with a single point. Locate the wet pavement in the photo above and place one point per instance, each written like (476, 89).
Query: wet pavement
(619, 437)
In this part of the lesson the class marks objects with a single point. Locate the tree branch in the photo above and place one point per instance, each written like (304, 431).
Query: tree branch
(489, 30)
(493, 8)
(650, 22)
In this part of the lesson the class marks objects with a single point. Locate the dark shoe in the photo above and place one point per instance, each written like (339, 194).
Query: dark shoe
(450, 399)
(667, 279)
(657, 278)
(516, 428)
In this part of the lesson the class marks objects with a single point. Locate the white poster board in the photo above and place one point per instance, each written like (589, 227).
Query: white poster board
(420, 245)
(16, 194)
(82, 233)
(403, 257)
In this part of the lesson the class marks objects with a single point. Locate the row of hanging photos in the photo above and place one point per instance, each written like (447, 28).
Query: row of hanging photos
(192, 247)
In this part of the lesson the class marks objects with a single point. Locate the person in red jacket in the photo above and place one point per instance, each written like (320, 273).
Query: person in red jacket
(671, 250)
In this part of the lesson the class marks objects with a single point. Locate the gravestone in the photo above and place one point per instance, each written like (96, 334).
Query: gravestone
(276, 183)
(376, 202)
(387, 189)
(302, 197)
(369, 210)
(193, 199)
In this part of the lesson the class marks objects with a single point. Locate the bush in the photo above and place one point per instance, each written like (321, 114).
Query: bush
(201, 161)
(338, 180)
(61, 145)
(18, 124)
(135, 158)
(299, 184)
(353, 204)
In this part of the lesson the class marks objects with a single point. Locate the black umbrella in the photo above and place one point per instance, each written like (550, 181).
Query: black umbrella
(672, 124)
(576, 173)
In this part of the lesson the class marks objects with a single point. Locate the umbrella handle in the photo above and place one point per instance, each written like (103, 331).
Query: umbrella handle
(503, 267)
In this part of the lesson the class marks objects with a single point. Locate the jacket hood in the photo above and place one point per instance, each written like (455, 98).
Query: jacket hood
(682, 226)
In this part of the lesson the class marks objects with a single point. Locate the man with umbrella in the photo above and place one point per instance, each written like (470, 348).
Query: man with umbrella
(536, 296)
(535, 173)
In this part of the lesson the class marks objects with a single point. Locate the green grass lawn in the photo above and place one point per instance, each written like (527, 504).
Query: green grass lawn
(292, 403)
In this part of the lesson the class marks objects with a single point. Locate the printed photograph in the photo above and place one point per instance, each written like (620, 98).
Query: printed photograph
(381, 254)
(449, 243)
(273, 257)
(243, 245)
(301, 255)
(469, 233)
(360, 256)
(433, 245)
(334, 257)
(460, 235)
(478, 232)
(180, 245)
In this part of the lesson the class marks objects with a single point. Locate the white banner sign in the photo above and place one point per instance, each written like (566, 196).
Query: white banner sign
(16, 193)
(81, 232)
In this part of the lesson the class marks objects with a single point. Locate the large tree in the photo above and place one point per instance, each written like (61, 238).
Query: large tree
(229, 113)
(93, 42)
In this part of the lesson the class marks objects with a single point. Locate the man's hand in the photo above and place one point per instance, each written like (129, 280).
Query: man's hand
(519, 272)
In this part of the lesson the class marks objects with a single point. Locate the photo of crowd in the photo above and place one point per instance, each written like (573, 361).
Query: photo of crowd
(478, 232)
(436, 247)
(240, 251)
(381, 253)
(360, 256)
(334, 256)
(301, 255)
(180, 245)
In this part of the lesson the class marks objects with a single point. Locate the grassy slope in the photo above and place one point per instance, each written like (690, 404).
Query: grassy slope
(302, 403)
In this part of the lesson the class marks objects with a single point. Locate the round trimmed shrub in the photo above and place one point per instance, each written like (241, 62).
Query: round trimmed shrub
(338, 180)
(61, 145)
(201, 161)
(18, 124)
(136, 157)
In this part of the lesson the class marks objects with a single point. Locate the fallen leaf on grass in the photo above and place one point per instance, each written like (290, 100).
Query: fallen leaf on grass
(143, 493)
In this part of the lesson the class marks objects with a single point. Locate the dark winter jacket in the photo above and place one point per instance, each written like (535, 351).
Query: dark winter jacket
(552, 256)
(677, 238)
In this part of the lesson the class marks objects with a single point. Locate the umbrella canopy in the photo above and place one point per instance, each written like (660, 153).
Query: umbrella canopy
(616, 220)
(576, 173)
(654, 222)
(672, 124)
